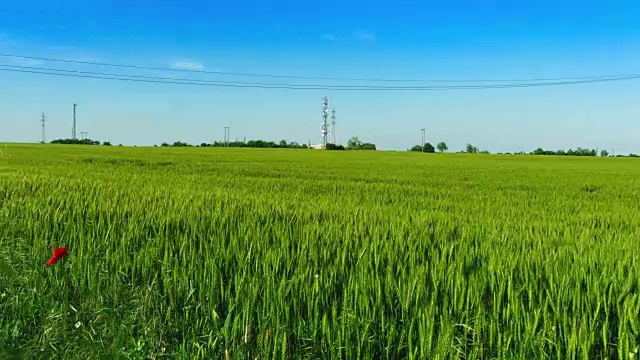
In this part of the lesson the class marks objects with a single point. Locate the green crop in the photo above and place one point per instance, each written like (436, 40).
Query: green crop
(223, 253)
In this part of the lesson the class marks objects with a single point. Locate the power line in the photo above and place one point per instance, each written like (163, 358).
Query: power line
(145, 79)
(213, 82)
(310, 77)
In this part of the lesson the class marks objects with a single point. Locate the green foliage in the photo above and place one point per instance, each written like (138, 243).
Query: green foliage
(428, 148)
(470, 149)
(570, 152)
(368, 146)
(334, 147)
(244, 254)
(76, 142)
(442, 147)
(259, 144)
(356, 144)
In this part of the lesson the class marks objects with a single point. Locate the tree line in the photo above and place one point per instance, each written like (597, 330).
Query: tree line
(261, 144)
(442, 147)
(80, 142)
(355, 144)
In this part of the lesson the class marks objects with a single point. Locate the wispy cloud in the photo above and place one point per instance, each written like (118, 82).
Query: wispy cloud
(187, 65)
(328, 37)
(26, 62)
(364, 36)
(60, 48)
(360, 35)
(4, 39)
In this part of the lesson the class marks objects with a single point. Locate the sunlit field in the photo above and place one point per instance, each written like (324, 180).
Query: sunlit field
(223, 253)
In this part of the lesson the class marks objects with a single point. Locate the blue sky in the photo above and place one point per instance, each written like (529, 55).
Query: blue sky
(374, 39)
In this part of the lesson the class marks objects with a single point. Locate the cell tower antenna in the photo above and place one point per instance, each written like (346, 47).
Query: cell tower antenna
(43, 121)
(333, 126)
(73, 131)
(325, 125)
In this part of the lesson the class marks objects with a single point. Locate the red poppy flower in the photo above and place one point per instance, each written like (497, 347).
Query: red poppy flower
(58, 253)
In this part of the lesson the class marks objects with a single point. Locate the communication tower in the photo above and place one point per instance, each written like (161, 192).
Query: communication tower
(325, 124)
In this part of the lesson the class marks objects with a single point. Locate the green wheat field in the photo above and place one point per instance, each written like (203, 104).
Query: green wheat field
(201, 253)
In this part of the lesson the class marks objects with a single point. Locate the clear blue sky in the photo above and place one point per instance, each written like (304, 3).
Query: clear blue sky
(373, 39)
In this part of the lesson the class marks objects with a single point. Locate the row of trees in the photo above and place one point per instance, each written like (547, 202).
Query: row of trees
(428, 148)
(80, 142)
(356, 144)
(471, 149)
(442, 147)
(283, 144)
(577, 152)
(353, 144)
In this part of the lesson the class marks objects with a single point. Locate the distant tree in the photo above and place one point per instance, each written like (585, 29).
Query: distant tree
(334, 147)
(471, 149)
(416, 148)
(106, 143)
(76, 142)
(442, 147)
(164, 144)
(428, 148)
(354, 144)
(604, 153)
(368, 146)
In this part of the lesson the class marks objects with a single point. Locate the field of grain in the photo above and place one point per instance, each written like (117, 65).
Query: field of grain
(214, 253)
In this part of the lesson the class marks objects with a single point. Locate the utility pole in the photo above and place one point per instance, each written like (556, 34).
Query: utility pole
(226, 135)
(423, 139)
(73, 131)
(43, 121)
(333, 126)
(83, 134)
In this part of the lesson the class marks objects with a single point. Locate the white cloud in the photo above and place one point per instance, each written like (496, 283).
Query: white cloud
(364, 36)
(187, 65)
